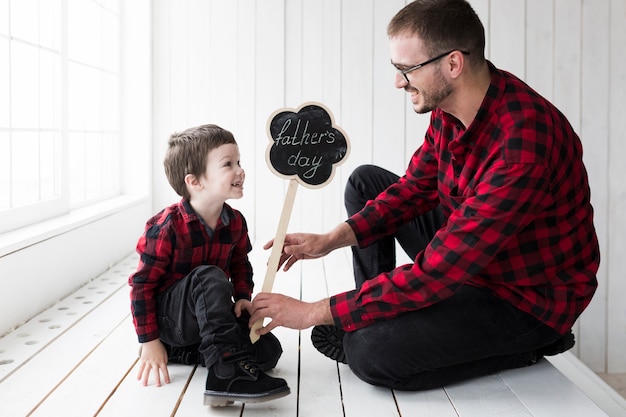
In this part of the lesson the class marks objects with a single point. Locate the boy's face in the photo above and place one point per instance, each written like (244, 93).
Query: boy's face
(224, 177)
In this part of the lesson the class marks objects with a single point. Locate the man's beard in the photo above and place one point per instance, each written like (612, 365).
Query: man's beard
(432, 98)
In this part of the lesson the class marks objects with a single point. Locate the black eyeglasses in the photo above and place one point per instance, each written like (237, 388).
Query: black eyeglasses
(404, 72)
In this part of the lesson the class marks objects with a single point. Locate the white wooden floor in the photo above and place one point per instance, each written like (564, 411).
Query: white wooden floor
(78, 358)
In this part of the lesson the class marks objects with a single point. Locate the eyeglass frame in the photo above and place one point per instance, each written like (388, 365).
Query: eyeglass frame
(404, 72)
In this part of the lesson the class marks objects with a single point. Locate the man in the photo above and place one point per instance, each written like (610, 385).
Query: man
(494, 208)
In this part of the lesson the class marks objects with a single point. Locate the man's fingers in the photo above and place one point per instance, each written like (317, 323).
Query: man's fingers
(292, 260)
(267, 328)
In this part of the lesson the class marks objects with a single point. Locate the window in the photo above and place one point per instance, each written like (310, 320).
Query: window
(59, 107)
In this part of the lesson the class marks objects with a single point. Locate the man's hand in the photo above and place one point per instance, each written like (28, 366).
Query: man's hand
(311, 246)
(153, 360)
(289, 312)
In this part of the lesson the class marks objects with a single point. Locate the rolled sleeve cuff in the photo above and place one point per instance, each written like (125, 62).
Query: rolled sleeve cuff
(148, 336)
(346, 312)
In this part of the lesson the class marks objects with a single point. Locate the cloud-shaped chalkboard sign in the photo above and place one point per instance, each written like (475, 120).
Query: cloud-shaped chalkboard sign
(305, 144)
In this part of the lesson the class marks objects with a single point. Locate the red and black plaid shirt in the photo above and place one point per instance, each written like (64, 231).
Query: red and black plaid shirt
(519, 220)
(175, 242)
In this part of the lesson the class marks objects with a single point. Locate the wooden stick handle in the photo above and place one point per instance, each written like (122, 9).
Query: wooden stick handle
(277, 249)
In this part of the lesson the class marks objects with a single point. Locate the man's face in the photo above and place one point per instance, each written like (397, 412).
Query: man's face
(427, 87)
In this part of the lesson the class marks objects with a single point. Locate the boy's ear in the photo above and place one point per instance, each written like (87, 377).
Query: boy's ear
(192, 181)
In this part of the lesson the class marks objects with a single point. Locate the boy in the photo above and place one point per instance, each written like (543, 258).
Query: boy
(193, 261)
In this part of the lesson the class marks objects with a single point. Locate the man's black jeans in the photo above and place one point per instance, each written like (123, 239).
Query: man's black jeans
(470, 334)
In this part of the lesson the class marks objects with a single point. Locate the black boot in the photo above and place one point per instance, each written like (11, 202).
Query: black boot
(328, 340)
(235, 377)
(266, 352)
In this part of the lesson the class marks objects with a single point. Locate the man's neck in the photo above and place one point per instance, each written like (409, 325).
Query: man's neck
(469, 95)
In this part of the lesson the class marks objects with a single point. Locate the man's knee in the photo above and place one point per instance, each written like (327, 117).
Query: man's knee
(355, 194)
(367, 357)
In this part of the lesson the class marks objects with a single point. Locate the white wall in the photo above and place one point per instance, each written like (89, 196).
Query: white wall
(235, 62)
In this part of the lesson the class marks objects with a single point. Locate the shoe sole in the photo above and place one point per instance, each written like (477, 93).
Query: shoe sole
(222, 399)
(329, 341)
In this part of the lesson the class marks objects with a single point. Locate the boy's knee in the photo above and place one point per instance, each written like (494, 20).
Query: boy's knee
(210, 276)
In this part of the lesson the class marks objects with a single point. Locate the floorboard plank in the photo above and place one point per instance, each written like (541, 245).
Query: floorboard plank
(487, 396)
(433, 402)
(287, 283)
(96, 377)
(320, 392)
(361, 399)
(544, 390)
(25, 388)
(28, 340)
(131, 398)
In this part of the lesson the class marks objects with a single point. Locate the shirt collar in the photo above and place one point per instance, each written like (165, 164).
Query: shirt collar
(190, 215)
(487, 109)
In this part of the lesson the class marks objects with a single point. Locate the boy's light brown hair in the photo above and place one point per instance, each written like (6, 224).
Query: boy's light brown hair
(188, 151)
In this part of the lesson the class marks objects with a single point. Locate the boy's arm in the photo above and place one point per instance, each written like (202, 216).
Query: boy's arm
(155, 252)
(240, 267)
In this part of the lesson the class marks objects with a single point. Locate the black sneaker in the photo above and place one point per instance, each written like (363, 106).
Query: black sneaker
(235, 377)
(559, 346)
(328, 340)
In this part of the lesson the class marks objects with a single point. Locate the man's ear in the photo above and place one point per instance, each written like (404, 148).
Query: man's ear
(456, 63)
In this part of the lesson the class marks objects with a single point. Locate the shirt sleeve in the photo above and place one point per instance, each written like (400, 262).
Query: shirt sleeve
(507, 198)
(155, 250)
(415, 193)
(240, 266)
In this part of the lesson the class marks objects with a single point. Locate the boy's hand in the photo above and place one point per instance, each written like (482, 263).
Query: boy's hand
(242, 305)
(153, 359)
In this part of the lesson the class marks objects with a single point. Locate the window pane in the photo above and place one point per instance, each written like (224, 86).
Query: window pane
(110, 42)
(85, 32)
(4, 17)
(24, 168)
(76, 165)
(50, 24)
(76, 96)
(24, 83)
(24, 20)
(50, 91)
(110, 164)
(5, 171)
(93, 165)
(93, 98)
(49, 175)
(4, 83)
(110, 98)
(59, 106)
